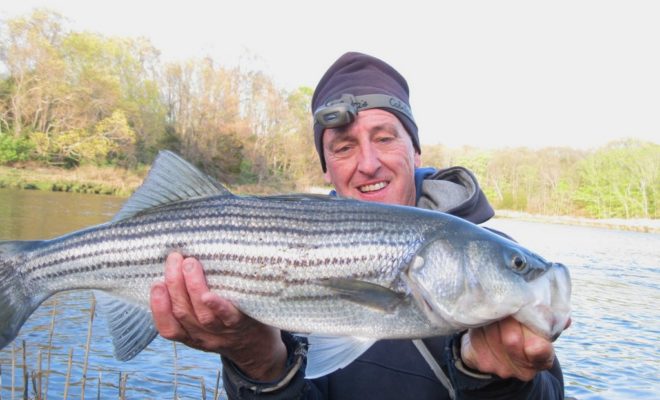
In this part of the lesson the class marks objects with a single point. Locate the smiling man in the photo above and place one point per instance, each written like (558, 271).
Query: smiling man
(368, 145)
(372, 159)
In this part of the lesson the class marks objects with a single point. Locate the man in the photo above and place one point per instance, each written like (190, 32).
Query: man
(369, 149)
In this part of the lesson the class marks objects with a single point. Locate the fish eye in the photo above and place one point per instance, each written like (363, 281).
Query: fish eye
(518, 263)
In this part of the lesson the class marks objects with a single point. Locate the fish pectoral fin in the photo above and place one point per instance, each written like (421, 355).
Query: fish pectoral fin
(365, 293)
(330, 353)
(170, 179)
(130, 325)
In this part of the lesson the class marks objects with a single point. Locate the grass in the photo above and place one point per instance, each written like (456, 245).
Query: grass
(101, 180)
(85, 179)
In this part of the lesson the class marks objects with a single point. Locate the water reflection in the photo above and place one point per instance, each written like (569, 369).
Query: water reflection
(32, 214)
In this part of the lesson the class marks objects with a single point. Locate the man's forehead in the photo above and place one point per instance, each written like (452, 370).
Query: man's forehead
(374, 119)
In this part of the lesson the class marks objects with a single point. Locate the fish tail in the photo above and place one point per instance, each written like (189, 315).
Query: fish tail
(16, 301)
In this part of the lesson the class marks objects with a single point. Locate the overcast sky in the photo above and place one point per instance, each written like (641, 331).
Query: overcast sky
(485, 73)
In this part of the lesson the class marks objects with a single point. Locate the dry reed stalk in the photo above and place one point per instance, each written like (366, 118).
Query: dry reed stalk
(201, 378)
(33, 375)
(98, 387)
(13, 370)
(50, 345)
(216, 394)
(123, 379)
(68, 375)
(26, 383)
(176, 369)
(39, 373)
(0, 381)
(87, 343)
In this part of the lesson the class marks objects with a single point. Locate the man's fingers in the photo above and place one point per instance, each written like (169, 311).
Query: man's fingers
(176, 285)
(161, 309)
(222, 309)
(197, 287)
(538, 351)
(512, 336)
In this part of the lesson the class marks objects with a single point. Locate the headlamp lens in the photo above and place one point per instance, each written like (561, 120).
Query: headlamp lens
(335, 115)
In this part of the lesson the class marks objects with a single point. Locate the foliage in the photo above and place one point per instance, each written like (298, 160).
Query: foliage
(77, 98)
(14, 149)
(621, 180)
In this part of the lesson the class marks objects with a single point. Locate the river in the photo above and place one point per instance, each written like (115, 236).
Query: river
(611, 351)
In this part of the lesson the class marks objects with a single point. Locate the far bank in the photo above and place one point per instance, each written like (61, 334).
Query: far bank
(122, 182)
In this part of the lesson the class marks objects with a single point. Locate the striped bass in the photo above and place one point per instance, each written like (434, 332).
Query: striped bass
(307, 264)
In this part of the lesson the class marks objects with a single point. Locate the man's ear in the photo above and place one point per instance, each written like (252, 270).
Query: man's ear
(326, 176)
(418, 160)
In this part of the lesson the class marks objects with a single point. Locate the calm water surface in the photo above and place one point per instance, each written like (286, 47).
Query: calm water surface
(612, 350)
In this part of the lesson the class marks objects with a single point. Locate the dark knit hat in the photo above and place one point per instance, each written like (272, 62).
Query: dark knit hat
(359, 74)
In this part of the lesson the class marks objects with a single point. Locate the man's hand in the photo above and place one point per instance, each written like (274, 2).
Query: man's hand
(186, 311)
(507, 349)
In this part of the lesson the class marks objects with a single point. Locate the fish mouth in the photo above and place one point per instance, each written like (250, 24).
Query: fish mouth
(549, 311)
(373, 187)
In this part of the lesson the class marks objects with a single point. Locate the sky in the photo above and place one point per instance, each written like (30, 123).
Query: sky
(492, 74)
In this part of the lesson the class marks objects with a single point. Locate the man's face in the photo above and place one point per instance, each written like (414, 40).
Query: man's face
(372, 159)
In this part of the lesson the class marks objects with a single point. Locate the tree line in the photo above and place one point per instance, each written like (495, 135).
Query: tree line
(69, 98)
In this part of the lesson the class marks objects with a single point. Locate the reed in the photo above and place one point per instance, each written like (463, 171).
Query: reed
(92, 309)
(68, 375)
(39, 373)
(36, 379)
(216, 391)
(51, 330)
(176, 370)
(98, 386)
(26, 383)
(123, 379)
(13, 370)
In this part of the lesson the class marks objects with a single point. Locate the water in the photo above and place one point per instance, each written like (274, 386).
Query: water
(612, 350)
(154, 373)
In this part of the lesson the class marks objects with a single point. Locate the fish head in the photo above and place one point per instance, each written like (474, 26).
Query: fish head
(470, 280)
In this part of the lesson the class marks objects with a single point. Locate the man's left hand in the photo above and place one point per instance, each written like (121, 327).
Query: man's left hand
(507, 349)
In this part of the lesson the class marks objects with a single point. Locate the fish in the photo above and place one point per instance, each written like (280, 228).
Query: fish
(344, 273)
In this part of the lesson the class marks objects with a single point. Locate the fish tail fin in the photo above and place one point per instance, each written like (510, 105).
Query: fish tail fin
(16, 302)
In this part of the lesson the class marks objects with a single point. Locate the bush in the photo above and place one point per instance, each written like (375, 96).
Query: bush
(14, 149)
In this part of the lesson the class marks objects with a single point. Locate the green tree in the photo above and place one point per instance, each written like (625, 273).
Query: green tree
(621, 179)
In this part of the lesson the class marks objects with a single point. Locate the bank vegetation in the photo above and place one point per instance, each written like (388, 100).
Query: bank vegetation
(79, 101)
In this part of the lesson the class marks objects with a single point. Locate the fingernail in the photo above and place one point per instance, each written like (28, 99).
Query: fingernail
(157, 290)
(188, 265)
(170, 261)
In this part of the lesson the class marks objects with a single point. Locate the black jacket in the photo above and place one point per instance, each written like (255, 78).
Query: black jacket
(395, 369)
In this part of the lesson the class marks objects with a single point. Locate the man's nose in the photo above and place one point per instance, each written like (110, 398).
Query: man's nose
(369, 162)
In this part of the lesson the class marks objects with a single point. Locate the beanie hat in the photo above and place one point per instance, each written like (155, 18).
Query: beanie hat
(360, 74)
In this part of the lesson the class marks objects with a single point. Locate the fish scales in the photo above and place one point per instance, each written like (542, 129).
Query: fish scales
(256, 251)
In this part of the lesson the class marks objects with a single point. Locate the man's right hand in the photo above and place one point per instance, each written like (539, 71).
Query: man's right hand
(185, 310)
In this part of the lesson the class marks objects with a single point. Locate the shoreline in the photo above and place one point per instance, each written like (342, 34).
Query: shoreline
(634, 224)
(86, 179)
(121, 183)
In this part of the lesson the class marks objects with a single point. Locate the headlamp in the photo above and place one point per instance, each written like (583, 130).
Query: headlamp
(342, 111)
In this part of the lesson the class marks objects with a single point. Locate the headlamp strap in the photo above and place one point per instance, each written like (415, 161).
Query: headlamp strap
(368, 101)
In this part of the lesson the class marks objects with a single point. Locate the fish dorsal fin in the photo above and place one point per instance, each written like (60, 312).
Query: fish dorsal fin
(131, 326)
(330, 353)
(170, 179)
